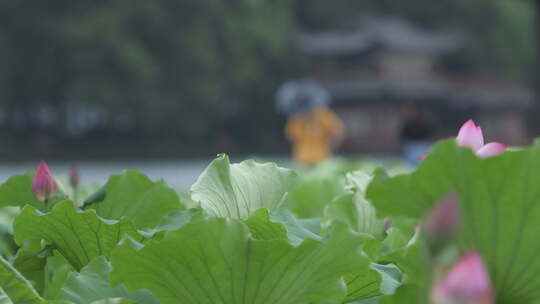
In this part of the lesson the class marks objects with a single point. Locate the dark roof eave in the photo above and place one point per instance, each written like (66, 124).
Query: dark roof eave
(523, 99)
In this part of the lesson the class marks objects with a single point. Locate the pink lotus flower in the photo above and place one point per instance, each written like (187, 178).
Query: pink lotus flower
(467, 283)
(470, 135)
(44, 185)
(442, 222)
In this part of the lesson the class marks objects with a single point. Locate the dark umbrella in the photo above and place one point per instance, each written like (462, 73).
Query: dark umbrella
(301, 96)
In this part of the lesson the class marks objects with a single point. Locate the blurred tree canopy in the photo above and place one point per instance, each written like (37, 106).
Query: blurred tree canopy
(176, 67)
(205, 70)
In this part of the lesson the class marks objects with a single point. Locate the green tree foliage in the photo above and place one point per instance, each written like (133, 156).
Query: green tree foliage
(184, 69)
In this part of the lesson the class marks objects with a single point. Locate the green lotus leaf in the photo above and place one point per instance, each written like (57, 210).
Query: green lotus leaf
(237, 191)
(216, 261)
(15, 287)
(78, 236)
(92, 284)
(135, 196)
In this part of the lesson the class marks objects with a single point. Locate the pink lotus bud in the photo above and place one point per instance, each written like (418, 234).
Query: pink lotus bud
(466, 283)
(471, 135)
(386, 225)
(442, 222)
(74, 177)
(44, 185)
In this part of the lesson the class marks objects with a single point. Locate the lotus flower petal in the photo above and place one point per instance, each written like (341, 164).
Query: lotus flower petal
(491, 149)
(467, 283)
(470, 136)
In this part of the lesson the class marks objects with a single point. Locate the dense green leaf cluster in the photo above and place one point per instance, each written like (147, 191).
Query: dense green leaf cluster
(249, 237)
(256, 233)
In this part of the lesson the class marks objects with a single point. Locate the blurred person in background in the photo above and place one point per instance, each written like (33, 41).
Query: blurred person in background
(313, 128)
(416, 134)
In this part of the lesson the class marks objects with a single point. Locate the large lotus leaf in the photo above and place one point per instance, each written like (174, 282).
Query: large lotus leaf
(391, 277)
(58, 271)
(31, 266)
(216, 261)
(16, 287)
(237, 191)
(377, 280)
(297, 229)
(384, 276)
(314, 192)
(46, 273)
(280, 224)
(173, 221)
(352, 208)
(363, 285)
(17, 191)
(411, 260)
(78, 236)
(92, 284)
(499, 201)
(135, 196)
(262, 228)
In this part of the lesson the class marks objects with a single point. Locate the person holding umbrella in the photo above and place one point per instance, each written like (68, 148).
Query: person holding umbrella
(313, 128)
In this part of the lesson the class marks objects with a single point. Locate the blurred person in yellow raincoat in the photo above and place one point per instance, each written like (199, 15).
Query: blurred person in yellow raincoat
(314, 134)
(313, 128)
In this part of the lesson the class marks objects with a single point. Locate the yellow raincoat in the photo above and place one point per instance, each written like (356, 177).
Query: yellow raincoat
(312, 134)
